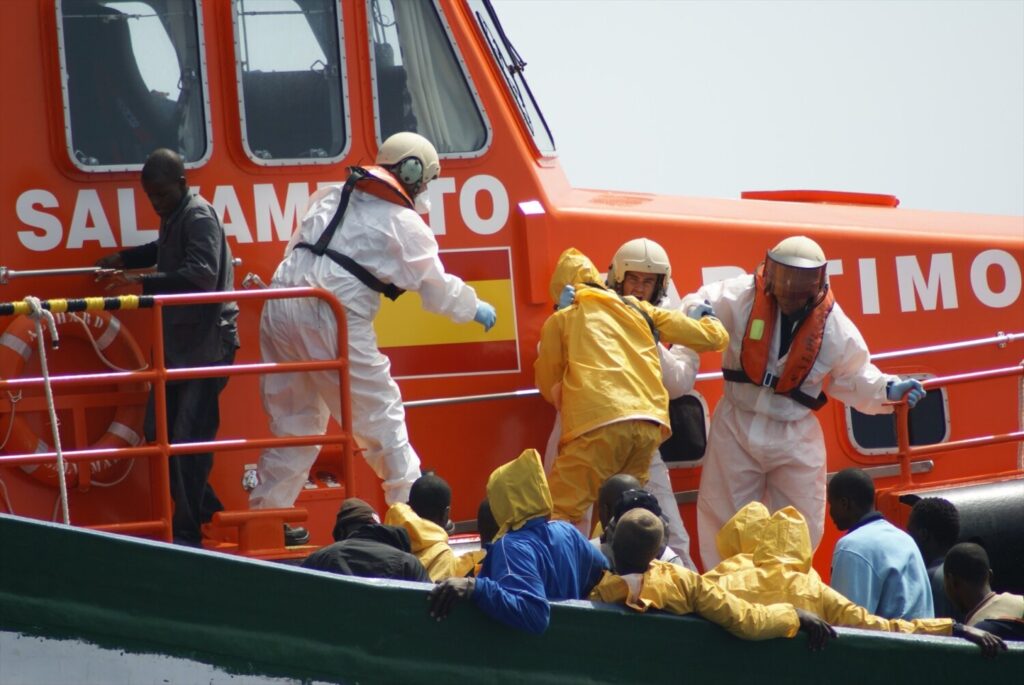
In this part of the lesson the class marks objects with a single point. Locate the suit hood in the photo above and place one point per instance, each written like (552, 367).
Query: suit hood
(518, 492)
(574, 268)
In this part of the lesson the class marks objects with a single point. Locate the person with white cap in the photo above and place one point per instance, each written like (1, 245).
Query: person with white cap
(789, 341)
(359, 241)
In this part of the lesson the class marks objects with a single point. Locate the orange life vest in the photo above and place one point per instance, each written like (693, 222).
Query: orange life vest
(803, 349)
(376, 181)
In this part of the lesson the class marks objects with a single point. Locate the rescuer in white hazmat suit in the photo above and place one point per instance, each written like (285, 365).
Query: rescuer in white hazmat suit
(787, 336)
(641, 268)
(381, 246)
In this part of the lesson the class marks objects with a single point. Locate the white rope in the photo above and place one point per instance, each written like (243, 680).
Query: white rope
(39, 315)
(7, 498)
(98, 350)
(15, 397)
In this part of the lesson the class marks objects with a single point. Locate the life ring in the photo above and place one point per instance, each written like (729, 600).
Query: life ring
(116, 347)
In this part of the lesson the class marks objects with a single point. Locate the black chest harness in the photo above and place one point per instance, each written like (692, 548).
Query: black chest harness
(320, 249)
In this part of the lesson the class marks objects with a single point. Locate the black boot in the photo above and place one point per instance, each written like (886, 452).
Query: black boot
(295, 536)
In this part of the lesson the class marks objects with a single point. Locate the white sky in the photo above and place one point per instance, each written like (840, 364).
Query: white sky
(920, 99)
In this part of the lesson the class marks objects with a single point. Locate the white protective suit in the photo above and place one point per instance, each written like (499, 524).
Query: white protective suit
(395, 245)
(766, 447)
(678, 373)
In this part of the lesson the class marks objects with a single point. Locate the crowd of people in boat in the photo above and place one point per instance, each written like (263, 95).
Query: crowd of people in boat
(610, 359)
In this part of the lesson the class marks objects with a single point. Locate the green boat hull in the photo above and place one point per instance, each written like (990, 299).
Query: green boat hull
(258, 618)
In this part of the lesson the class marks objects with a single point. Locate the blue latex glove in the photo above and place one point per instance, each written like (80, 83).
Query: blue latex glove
(701, 310)
(485, 315)
(567, 297)
(911, 388)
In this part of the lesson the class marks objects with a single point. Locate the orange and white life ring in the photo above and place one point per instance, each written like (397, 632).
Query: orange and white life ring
(115, 346)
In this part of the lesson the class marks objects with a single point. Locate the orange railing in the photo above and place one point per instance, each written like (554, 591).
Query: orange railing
(906, 452)
(159, 375)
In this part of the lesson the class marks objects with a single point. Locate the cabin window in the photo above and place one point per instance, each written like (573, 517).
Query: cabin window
(876, 434)
(512, 67)
(132, 73)
(419, 80)
(291, 81)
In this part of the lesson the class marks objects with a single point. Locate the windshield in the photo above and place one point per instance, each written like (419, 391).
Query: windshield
(512, 67)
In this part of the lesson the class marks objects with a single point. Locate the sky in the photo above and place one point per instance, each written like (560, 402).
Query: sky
(919, 99)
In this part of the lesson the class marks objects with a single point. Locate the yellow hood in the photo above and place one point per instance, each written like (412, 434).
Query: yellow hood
(574, 268)
(518, 492)
(740, 534)
(422, 533)
(785, 541)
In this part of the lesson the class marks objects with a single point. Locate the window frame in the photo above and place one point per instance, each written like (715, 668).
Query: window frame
(882, 451)
(481, 110)
(345, 103)
(66, 98)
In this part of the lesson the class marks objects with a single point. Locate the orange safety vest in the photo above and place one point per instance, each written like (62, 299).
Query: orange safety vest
(376, 181)
(803, 349)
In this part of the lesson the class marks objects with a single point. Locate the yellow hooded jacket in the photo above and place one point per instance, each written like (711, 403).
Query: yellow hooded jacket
(518, 492)
(768, 559)
(681, 591)
(600, 349)
(429, 541)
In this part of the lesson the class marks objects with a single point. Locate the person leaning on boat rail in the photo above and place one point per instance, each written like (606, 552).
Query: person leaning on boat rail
(641, 268)
(191, 255)
(366, 548)
(637, 498)
(531, 561)
(426, 519)
(934, 524)
(767, 559)
(358, 241)
(642, 583)
(968, 579)
(875, 564)
(789, 339)
(598, 364)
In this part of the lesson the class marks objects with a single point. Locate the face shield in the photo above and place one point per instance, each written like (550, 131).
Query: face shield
(796, 285)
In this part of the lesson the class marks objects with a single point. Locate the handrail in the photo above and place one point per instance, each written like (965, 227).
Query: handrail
(1001, 340)
(902, 410)
(159, 375)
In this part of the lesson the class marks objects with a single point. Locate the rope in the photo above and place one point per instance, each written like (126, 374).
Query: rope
(96, 348)
(38, 314)
(15, 397)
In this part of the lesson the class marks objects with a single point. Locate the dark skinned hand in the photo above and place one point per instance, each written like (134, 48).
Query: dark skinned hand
(990, 644)
(819, 632)
(444, 595)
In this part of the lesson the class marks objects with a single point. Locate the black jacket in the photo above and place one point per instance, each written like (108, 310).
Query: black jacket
(373, 551)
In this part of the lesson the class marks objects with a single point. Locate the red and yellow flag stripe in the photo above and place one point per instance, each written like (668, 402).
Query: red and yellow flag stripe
(421, 343)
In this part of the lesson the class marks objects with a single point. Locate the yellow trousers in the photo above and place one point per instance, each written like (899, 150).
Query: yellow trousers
(586, 462)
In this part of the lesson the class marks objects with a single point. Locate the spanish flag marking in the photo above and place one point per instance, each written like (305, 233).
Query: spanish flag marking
(421, 343)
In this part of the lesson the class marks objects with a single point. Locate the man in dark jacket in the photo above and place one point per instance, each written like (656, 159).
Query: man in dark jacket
(363, 547)
(191, 255)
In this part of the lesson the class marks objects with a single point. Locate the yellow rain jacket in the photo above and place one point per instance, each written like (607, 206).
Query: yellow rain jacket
(771, 562)
(518, 492)
(681, 591)
(429, 541)
(598, 360)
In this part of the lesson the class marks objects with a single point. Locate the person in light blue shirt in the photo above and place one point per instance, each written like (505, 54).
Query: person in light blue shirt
(875, 564)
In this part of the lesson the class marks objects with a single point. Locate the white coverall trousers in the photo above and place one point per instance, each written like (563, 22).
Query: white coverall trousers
(301, 403)
(751, 457)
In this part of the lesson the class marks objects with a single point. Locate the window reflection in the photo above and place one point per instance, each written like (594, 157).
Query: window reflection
(132, 80)
(420, 85)
(290, 76)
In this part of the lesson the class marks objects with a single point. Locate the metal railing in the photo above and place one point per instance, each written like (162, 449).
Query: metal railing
(905, 452)
(159, 375)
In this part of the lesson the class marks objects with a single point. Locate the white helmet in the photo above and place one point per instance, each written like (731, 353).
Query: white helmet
(412, 158)
(643, 256)
(798, 254)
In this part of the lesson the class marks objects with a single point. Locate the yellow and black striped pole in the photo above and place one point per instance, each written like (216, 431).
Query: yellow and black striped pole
(82, 304)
